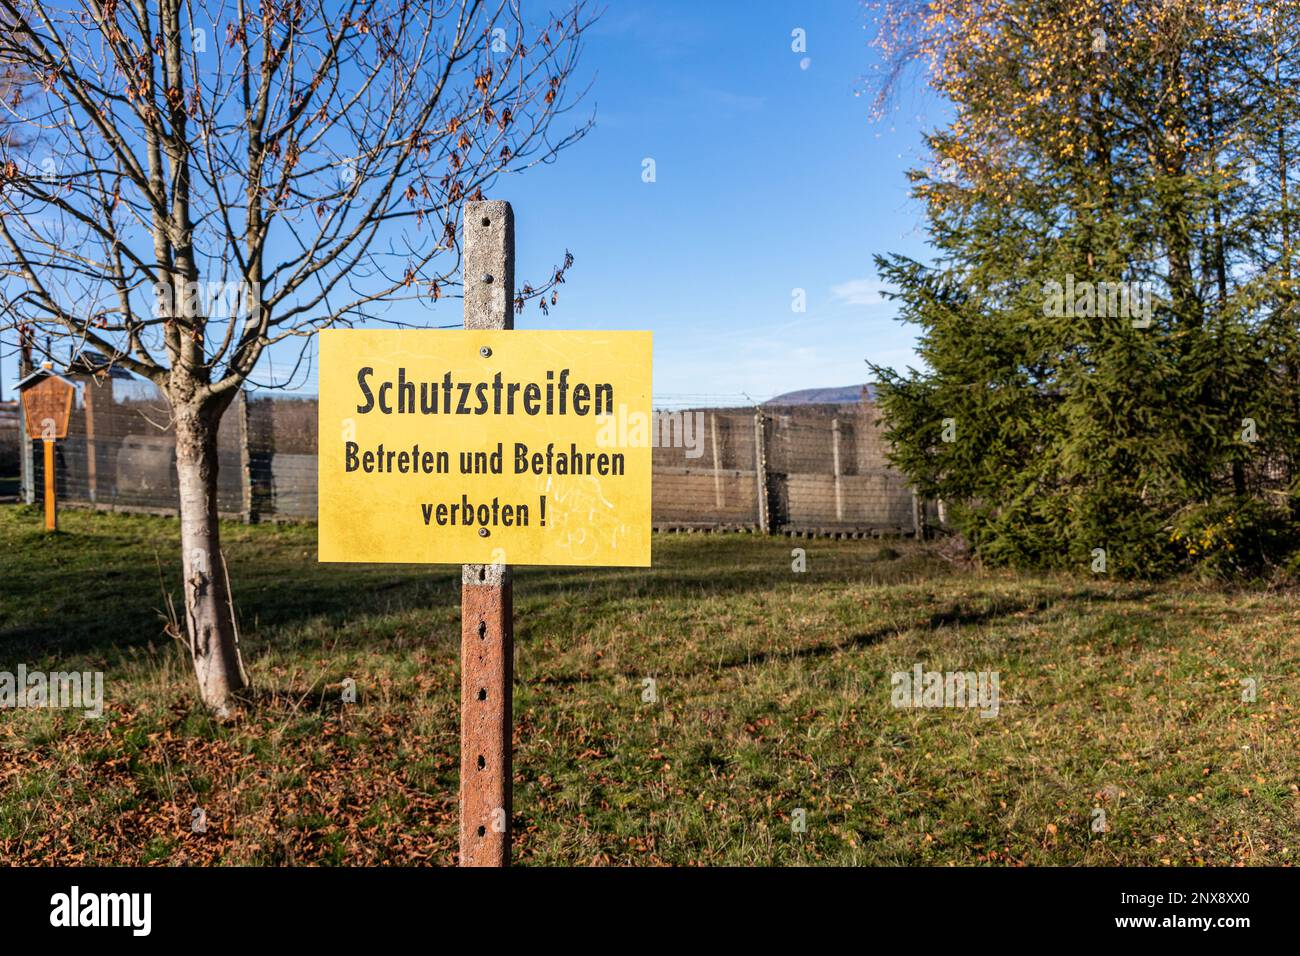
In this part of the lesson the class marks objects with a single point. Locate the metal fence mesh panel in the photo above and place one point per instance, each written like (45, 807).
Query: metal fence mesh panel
(817, 469)
(120, 452)
(282, 456)
(11, 442)
(710, 478)
(827, 472)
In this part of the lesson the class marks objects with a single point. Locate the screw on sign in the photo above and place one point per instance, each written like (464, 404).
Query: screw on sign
(487, 448)
(47, 405)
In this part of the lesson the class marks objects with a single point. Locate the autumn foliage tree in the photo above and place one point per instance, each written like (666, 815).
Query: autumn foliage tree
(1142, 147)
(201, 181)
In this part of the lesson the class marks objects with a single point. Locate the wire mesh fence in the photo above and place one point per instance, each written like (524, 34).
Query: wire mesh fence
(817, 469)
(120, 451)
(11, 444)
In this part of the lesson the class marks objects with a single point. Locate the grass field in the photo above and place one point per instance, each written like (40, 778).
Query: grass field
(773, 695)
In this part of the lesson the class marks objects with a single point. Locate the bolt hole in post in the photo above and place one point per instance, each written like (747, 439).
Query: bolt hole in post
(482, 693)
(481, 762)
(482, 630)
(482, 831)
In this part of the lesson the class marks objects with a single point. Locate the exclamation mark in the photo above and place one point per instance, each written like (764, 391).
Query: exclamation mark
(543, 499)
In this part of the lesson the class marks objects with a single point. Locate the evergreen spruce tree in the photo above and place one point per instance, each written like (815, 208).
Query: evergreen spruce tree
(1106, 327)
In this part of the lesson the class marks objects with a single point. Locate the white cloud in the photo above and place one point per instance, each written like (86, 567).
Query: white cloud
(859, 292)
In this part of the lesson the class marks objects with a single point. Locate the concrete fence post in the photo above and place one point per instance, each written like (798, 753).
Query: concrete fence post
(486, 602)
(760, 467)
(835, 464)
(92, 471)
(717, 465)
(245, 462)
(27, 463)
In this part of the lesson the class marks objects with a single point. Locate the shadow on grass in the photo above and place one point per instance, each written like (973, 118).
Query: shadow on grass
(955, 616)
(109, 582)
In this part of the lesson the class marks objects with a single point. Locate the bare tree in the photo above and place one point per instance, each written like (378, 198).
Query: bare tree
(205, 180)
(12, 89)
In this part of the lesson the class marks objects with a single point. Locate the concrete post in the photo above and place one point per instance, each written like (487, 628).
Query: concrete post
(835, 464)
(760, 466)
(486, 608)
(717, 465)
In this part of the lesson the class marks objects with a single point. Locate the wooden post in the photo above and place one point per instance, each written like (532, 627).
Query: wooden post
(51, 512)
(835, 463)
(47, 405)
(486, 612)
(760, 466)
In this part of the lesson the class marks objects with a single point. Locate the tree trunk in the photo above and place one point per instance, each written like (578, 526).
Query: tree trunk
(209, 613)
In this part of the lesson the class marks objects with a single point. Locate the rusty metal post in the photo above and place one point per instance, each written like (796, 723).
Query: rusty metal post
(486, 612)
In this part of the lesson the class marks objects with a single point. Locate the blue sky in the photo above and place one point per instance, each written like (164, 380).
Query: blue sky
(769, 177)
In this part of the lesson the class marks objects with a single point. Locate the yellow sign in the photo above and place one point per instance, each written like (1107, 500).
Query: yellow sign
(492, 447)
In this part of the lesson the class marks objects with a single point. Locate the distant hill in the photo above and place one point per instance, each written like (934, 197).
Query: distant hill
(843, 395)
